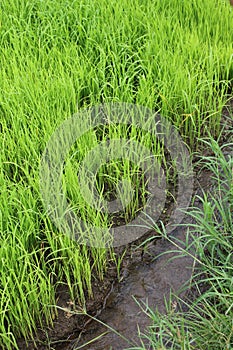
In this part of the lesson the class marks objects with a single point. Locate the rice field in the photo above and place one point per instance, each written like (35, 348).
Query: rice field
(57, 59)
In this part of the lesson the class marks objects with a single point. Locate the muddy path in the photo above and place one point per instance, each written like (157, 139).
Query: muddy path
(148, 279)
(148, 283)
(148, 276)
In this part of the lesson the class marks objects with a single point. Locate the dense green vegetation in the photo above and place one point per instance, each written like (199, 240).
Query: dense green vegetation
(57, 58)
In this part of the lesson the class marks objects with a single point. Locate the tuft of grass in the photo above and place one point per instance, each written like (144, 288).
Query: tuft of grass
(208, 322)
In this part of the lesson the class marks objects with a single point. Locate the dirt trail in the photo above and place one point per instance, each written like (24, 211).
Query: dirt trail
(148, 282)
(148, 279)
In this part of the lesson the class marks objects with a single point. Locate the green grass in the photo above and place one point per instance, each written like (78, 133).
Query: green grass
(208, 322)
(175, 57)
